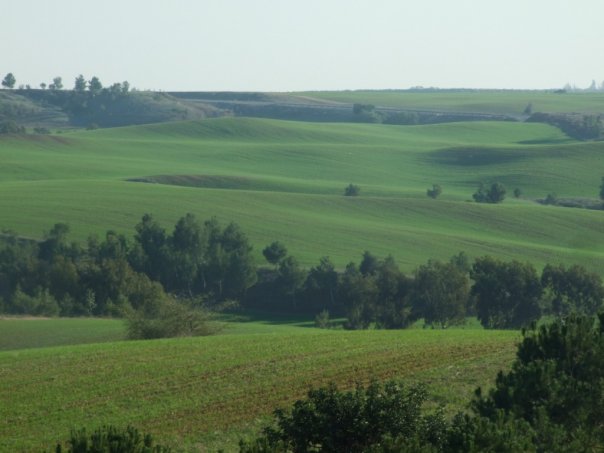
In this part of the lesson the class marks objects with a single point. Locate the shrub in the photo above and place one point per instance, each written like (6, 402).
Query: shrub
(334, 421)
(435, 191)
(322, 320)
(551, 198)
(172, 320)
(110, 439)
(352, 190)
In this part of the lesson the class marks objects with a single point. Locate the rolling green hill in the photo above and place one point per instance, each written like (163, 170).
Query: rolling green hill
(284, 181)
(500, 102)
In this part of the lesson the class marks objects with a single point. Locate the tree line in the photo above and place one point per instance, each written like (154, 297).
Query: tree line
(206, 263)
(376, 293)
(113, 276)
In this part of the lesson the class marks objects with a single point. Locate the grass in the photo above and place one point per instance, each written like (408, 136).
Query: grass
(284, 181)
(24, 333)
(504, 102)
(206, 393)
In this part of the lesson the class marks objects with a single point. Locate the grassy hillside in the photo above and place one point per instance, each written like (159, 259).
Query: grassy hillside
(211, 391)
(284, 181)
(503, 102)
(23, 333)
(65, 109)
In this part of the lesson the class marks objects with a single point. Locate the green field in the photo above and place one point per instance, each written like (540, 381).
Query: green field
(208, 392)
(499, 102)
(23, 333)
(284, 181)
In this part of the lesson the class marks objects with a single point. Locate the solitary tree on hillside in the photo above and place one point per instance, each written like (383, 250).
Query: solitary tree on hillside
(435, 191)
(9, 81)
(352, 190)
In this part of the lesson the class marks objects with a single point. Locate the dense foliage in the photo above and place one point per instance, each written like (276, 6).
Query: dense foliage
(556, 385)
(493, 194)
(580, 126)
(113, 276)
(330, 420)
(207, 264)
(110, 439)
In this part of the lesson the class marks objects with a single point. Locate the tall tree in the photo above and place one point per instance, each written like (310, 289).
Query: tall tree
(95, 86)
(440, 293)
(573, 289)
(321, 286)
(57, 84)
(80, 84)
(151, 239)
(9, 81)
(507, 293)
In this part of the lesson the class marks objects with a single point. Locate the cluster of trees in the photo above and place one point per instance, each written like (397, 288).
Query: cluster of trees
(500, 294)
(550, 401)
(93, 85)
(493, 194)
(114, 276)
(209, 264)
(367, 113)
(580, 126)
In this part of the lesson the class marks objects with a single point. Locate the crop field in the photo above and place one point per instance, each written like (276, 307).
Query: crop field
(24, 333)
(500, 102)
(284, 181)
(206, 393)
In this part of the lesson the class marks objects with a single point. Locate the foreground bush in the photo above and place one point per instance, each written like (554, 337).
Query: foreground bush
(333, 421)
(556, 385)
(110, 439)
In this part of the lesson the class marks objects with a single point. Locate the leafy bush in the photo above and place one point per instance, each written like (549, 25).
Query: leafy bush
(330, 420)
(322, 320)
(435, 191)
(110, 439)
(172, 320)
(352, 190)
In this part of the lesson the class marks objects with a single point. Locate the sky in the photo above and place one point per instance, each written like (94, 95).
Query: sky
(287, 45)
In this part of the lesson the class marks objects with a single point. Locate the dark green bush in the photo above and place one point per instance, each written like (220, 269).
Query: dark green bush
(352, 190)
(110, 439)
(330, 420)
(172, 320)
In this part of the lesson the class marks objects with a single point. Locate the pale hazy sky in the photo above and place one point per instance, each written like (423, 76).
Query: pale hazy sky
(282, 45)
